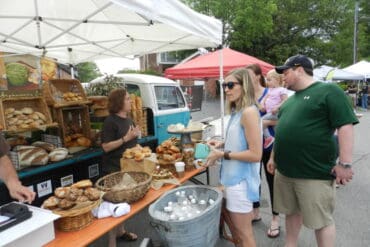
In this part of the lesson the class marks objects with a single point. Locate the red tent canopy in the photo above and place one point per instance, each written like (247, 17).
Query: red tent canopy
(208, 65)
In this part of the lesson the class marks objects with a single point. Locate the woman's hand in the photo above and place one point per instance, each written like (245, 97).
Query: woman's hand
(215, 143)
(213, 156)
(271, 166)
(132, 133)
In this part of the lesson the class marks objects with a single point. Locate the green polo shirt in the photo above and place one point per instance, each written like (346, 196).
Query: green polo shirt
(304, 145)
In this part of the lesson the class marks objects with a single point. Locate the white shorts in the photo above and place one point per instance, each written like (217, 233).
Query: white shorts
(236, 198)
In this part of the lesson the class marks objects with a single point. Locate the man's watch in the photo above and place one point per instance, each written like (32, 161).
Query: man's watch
(345, 165)
(227, 154)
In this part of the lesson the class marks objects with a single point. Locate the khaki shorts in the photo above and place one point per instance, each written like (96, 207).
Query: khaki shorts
(314, 199)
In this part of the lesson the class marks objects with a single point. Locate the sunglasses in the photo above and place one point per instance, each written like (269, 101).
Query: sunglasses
(230, 85)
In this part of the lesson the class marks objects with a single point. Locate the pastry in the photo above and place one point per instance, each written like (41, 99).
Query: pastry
(92, 193)
(86, 183)
(9, 110)
(51, 203)
(61, 192)
(27, 110)
(65, 204)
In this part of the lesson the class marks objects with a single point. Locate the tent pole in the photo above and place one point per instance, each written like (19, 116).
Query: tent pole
(222, 91)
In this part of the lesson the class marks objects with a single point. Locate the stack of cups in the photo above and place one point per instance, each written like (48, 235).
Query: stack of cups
(180, 169)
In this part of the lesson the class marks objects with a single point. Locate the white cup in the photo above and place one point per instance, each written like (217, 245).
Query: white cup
(180, 169)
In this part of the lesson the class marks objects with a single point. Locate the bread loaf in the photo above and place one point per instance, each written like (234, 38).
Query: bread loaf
(33, 156)
(45, 145)
(58, 154)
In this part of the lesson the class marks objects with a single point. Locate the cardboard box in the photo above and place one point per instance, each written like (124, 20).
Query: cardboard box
(147, 165)
(34, 232)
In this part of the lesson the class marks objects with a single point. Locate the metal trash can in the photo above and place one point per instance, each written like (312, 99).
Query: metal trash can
(201, 230)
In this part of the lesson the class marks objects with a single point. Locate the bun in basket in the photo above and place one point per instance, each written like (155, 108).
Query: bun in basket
(51, 203)
(65, 204)
(83, 184)
(61, 192)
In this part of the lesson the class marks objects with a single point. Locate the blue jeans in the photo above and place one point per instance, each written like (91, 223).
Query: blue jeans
(364, 100)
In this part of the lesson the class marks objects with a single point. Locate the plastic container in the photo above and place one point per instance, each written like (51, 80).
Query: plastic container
(201, 230)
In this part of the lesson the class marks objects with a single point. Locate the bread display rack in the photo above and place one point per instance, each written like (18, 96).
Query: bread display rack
(64, 92)
(25, 114)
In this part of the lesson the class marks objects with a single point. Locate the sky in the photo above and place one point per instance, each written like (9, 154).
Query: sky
(113, 65)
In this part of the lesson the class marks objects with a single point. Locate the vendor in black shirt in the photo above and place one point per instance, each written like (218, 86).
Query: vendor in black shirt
(119, 133)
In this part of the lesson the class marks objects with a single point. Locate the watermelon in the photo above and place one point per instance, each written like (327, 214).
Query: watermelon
(17, 74)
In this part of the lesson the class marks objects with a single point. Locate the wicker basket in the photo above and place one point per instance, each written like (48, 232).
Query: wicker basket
(53, 91)
(72, 120)
(36, 103)
(124, 195)
(76, 218)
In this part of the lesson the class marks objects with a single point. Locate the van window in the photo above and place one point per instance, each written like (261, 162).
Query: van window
(169, 97)
(133, 89)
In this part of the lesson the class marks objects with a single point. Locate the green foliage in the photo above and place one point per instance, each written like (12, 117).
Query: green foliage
(146, 72)
(343, 85)
(87, 71)
(276, 29)
(110, 82)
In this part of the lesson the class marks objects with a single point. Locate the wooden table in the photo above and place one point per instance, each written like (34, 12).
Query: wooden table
(99, 227)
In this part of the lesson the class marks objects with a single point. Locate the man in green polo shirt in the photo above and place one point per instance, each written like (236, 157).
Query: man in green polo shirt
(305, 152)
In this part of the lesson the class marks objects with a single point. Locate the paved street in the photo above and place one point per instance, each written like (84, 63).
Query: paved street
(352, 207)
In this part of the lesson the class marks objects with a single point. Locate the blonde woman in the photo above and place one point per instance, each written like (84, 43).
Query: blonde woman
(242, 153)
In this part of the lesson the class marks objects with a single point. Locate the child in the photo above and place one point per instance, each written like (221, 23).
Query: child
(275, 97)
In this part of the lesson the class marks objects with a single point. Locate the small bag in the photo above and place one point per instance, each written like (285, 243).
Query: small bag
(201, 151)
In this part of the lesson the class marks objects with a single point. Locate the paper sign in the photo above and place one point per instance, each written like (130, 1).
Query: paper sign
(44, 188)
(67, 180)
(94, 170)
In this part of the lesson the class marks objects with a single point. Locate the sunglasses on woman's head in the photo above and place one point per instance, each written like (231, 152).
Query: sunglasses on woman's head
(230, 85)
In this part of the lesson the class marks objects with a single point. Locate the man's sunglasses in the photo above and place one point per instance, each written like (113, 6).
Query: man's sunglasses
(230, 85)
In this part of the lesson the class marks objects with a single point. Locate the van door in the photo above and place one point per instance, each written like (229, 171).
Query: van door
(171, 109)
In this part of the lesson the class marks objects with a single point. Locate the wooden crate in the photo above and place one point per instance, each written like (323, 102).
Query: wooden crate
(73, 120)
(54, 91)
(37, 104)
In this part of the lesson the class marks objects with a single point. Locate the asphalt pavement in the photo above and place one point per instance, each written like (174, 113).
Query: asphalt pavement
(352, 204)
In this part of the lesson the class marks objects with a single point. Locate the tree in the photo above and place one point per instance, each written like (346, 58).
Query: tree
(276, 29)
(87, 71)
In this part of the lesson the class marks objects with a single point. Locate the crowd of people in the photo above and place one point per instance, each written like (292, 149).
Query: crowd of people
(292, 138)
(359, 94)
(303, 161)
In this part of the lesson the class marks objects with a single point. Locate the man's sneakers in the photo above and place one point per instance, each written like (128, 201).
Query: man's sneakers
(268, 142)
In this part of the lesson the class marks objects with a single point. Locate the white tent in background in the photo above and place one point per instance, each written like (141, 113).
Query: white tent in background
(321, 72)
(74, 31)
(362, 67)
(342, 75)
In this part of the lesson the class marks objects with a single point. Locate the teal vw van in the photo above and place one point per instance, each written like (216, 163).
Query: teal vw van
(162, 98)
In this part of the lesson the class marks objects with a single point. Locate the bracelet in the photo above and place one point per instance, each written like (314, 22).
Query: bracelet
(227, 154)
(344, 165)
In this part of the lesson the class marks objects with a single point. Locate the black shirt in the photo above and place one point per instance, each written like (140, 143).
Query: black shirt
(114, 128)
(365, 89)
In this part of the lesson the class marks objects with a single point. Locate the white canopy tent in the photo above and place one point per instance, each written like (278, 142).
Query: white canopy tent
(342, 75)
(84, 30)
(362, 67)
(321, 72)
(74, 31)
(329, 74)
